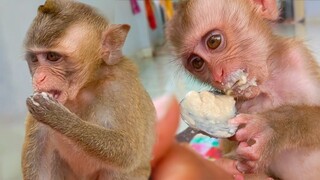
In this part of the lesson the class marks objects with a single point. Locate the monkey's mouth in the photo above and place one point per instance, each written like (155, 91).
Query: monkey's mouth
(241, 90)
(238, 83)
(54, 93)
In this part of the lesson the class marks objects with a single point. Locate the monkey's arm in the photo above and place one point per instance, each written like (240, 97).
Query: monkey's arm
(115, 147)
(32, 150)
(294, 126)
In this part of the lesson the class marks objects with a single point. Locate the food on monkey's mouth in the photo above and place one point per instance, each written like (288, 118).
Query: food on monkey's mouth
(52, 93)
(238, 81)
(55, 93)
(209, 113)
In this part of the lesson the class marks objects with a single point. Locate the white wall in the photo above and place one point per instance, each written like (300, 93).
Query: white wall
(15, 17)
(312, 10)
(138, 37)
(119, 11)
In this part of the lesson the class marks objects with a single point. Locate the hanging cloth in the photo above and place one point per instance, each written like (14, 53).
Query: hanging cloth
(150, 14)
(135, 6)
(167, 5)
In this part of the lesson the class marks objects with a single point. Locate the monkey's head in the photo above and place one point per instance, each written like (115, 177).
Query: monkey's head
(66, 45)
(225, 43)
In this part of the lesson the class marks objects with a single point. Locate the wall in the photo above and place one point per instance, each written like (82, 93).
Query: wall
(15, 17)
(119, 11)
(312, 10)
(138, 37)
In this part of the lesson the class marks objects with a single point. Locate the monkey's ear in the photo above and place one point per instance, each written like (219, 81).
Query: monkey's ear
(113, 40)
(49, 7)
(268, 9)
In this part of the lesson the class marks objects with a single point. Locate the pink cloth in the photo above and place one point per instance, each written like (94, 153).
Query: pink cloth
(135, 7)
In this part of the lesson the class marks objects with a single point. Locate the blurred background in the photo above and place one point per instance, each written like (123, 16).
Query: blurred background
(145, 44)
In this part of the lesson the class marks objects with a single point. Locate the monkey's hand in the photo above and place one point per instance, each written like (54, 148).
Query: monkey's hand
(253, 136)
(45, 109)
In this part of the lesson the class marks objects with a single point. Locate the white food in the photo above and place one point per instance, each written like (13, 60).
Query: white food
(209, 113)
(45, 95)
(239, 79)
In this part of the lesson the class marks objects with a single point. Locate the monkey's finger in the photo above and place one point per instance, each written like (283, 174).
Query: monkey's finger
(42, 98)
(246, 132)
(240, 119)
(30, 104)
(246, 166)
(34, 108)
(247, 152)
(243, 134)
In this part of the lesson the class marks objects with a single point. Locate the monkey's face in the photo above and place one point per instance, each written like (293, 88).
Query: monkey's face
(49, 74)
(62, 70)
(223, 43)
(228, 63)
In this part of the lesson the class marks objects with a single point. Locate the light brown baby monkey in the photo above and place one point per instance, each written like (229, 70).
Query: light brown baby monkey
(230, 45)
(90, 118)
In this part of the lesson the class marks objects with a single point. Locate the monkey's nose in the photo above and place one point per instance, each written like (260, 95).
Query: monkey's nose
(39, 78)
(218, 75)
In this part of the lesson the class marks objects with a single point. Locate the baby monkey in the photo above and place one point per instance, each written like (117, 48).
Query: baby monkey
(90, 118)
(230, 45)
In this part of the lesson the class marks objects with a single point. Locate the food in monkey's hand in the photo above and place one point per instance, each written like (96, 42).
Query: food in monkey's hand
(209, 113)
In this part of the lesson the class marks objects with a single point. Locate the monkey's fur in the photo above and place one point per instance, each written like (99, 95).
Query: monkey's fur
(279, 103)
(90, 117)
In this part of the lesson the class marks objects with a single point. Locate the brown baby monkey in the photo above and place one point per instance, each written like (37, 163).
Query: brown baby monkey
(90, 117)
(230, 45)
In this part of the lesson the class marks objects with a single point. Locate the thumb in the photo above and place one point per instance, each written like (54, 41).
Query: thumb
(168, 116)
(228, 165)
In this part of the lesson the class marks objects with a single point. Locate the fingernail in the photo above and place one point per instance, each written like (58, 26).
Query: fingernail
(163, 104)
(233, 122)
(238, 177)
(240, 167)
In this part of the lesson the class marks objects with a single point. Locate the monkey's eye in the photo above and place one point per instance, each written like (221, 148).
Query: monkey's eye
(196, 62)
(31, 57)
(214, 40)
(53, 56)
